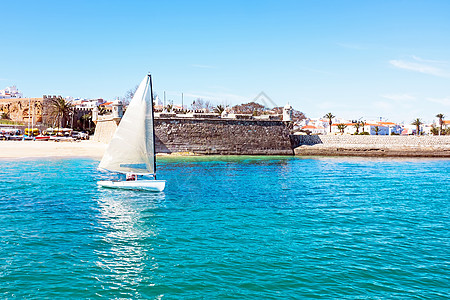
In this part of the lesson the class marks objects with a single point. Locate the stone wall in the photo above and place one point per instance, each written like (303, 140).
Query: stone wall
(374, 146)
(213, 136)
(104, 130)
(370, 140)
(19, 110)
(220, 136)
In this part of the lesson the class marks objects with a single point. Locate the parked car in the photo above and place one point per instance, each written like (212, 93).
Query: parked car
(80, 135)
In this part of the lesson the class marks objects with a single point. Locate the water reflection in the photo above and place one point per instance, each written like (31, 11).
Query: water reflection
(128, 228)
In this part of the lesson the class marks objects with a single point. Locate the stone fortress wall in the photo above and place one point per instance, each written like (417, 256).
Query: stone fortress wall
(23, 109)
(370, 140)
(28, 109)
(371, 145)
(212, 136)
(222, 136)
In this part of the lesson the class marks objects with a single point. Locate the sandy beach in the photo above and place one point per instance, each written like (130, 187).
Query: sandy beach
(31, 149)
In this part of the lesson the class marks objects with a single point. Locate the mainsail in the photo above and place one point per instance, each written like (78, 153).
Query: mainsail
(132, 147)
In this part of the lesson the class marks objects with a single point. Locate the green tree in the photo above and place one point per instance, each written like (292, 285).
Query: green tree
(363, 124)
(441, 121)
(169, 107)
(417, 122)
(330, 117)
(377, 129)
(434, 130)
(341, 127)
(252, 108)
(60, 109)
(219, 109)
(357, 125)
(86, 119)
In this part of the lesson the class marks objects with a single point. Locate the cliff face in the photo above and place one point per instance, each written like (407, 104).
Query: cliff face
(221, 136)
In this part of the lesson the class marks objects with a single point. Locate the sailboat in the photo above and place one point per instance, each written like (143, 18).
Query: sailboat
(132, 147)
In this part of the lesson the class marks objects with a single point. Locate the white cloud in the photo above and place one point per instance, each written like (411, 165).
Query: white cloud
(420, 65)
(383, 105)
(399, 97)
(429, 60)
(442, 101)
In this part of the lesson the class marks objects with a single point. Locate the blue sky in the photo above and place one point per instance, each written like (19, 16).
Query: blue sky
(356, 59)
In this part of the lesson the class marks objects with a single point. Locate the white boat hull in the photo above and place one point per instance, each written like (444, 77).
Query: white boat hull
(139, 185)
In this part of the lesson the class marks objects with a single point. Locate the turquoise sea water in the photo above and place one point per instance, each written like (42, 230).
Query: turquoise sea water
(228, 228)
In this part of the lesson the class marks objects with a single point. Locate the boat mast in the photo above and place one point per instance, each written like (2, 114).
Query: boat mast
(153, 122)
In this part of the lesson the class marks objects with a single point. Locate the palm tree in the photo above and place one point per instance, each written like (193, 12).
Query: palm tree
(417, 122)
(169, 107)
(219, 109)
(357, 125)
(362, 125)
(60, 109)
(377, 129)
(341, 127)
(102, 110)
(330, 117)
(86, 118)
(441, 121)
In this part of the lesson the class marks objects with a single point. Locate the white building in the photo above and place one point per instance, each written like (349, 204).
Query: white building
(10, 92)
(87, 103)
(316, 126)
(373, 128)
(410, 129)
(314, 129)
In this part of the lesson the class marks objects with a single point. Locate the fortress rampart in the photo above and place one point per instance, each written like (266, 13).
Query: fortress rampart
(371, 140)
(222, 136)
(27, 109)
(370, 145)
(213, 136)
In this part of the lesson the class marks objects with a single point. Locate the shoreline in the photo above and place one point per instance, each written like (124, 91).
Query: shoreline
(93, 149)
(374, 151)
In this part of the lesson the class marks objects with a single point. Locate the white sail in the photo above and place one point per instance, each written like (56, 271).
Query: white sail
(132, 147)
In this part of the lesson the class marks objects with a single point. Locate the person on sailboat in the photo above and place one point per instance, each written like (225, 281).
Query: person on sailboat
(130, 176)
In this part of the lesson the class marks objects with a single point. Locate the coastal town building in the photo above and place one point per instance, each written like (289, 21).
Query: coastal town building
(10, 92)
(315, 126)
(86, 103)
(445, 124)
(313, 129)
(371, 127)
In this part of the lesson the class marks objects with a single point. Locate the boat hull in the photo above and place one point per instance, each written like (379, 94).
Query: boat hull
(137, 185)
